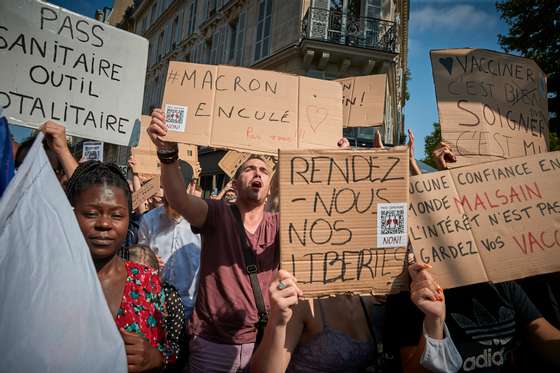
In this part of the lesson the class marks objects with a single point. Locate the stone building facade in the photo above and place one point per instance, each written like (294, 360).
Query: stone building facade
(327, 39)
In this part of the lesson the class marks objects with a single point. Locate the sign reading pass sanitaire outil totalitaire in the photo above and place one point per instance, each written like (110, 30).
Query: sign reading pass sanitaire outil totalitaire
(55, 64)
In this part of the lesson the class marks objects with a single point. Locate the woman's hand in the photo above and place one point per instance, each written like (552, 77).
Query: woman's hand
(157, 129)
(378, 141)
(414, 169)
(443, 154)
(56, 137)
(141, 356)
(284, 294)
(428, 296)
(343, 143)
(132, 164)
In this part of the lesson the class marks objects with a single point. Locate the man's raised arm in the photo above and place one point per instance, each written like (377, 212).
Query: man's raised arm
(192, 208)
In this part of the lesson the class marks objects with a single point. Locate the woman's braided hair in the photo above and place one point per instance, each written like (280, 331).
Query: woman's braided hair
(98, 173)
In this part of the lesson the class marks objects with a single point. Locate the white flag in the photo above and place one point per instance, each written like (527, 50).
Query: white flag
(53, 314)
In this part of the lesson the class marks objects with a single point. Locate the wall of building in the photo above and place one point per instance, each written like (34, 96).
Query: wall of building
(203, 31)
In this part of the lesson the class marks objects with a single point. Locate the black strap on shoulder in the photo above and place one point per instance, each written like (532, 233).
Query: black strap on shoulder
(252, 270)
(376, 323)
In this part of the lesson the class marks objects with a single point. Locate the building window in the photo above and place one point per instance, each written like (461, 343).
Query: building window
(218, 47)
(144, 24)
(192, 17)
(174, 33)
(205, 52)
(160, 46)
(214, 47)
(150, 52)
(262, 45)
(153, 14)
(210, 8)
(372, 8)
(237, 40)
(167, 38)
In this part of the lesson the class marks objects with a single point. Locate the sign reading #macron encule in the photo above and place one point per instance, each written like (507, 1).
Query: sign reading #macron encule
(248, 110)
(58, 65)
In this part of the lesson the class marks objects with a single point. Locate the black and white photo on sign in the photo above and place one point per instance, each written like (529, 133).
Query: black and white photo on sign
(92, 151)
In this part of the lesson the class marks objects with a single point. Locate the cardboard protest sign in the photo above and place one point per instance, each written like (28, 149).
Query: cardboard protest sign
(344, 220)
(58, 65)
(92, 151)
(145, 154)
(149, 189)
(232, 160)
(494, 222)
(249, 110)
(363, 100)
(491, 105)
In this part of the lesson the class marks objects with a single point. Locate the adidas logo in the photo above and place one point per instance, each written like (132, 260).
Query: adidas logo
(486, 359)
(485, 328)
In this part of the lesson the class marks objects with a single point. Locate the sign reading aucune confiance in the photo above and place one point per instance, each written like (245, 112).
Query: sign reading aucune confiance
(58, 65)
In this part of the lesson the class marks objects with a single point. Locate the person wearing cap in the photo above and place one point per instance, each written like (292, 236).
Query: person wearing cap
(170, 236)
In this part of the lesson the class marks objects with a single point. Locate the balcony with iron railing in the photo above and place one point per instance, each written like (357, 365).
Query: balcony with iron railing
(344, 29)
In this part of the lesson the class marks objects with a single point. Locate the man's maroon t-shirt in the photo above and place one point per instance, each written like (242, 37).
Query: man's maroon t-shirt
(225, 310)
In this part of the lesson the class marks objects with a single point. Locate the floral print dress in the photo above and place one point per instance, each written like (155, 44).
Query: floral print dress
(142, 307)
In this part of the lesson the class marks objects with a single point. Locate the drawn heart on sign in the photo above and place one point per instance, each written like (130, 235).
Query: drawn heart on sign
(447, 63)
(316, 116)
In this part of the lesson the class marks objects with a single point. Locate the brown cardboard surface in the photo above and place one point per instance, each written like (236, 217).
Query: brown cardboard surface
(508, 210)
(149, 189)
(363, 100)
(249, 110)
(145, 154)
(233, 159)
(329, 228)
(491, 105)
(269, 119)
(192, 86)
(320, 113)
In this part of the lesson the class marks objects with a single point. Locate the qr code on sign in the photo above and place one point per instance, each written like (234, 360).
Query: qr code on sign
(391, 225)
(175, 117)
(392, 221)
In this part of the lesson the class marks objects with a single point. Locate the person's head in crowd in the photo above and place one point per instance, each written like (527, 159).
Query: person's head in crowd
(102, 202)
(252, 181)
(230, 196)
(24, 148)
(142, 254)
(56, 147)
(442, 155)
(194, 189)
(156, 200)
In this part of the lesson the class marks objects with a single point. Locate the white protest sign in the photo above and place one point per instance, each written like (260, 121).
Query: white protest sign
(58, 65)
(92, 151)
(53, 314)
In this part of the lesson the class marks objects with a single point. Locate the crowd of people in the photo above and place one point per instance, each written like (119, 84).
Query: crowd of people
(194, 284)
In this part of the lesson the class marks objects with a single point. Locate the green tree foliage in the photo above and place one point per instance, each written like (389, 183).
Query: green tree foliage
(430, 143)
(534, 32)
